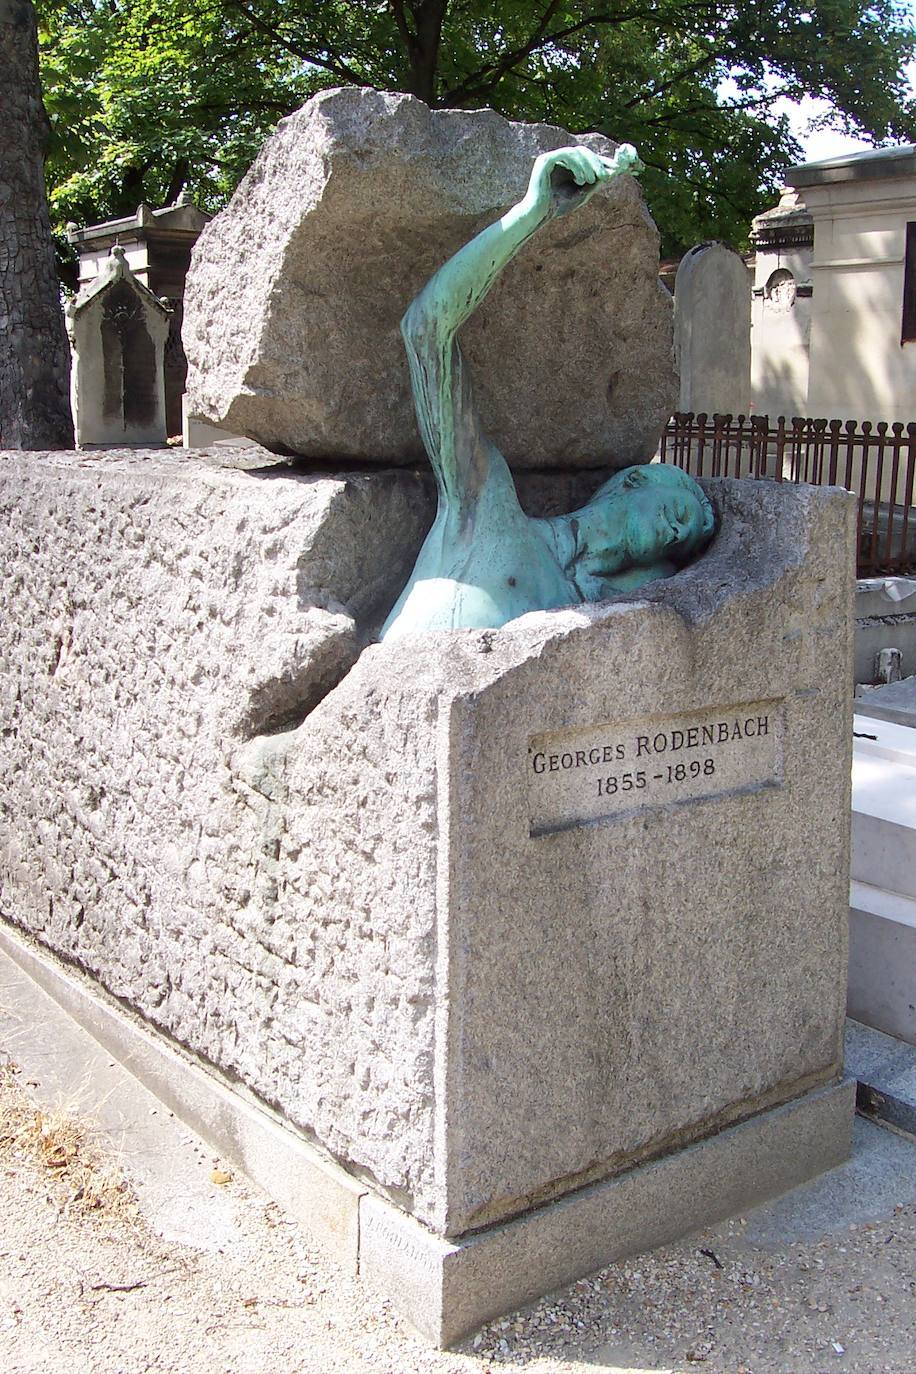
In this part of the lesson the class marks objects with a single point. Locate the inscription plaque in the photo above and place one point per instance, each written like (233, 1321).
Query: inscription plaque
(600, 772)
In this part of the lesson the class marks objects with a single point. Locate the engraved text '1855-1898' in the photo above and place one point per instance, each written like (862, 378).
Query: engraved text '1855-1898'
(599, 772)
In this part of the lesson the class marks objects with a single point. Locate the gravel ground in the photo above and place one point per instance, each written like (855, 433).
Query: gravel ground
(101, 1293)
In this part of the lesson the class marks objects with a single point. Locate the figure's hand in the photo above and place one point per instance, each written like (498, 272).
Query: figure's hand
(626, 159)
(565, 179)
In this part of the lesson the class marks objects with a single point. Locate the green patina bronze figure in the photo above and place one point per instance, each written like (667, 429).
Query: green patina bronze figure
(485, 561)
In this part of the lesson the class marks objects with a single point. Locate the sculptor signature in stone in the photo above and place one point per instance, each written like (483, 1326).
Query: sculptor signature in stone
(485, 561)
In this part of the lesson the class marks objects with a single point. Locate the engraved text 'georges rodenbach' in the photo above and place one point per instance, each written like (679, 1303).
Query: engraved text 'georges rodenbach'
(599, 772)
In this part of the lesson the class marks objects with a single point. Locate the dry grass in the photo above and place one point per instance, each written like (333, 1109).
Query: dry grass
(84, 1177)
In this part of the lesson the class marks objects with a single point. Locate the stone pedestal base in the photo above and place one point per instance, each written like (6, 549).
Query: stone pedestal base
(448, 1289)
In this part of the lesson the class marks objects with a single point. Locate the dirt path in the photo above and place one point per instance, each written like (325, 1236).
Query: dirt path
(99, 1293)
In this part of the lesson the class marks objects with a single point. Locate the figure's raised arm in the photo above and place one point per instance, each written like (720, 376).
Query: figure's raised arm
(457, 446)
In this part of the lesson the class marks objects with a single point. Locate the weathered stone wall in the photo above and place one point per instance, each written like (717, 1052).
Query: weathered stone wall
(634, 970)
(163, 618)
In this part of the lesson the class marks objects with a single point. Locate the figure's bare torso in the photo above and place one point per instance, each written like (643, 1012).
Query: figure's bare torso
(483, 563)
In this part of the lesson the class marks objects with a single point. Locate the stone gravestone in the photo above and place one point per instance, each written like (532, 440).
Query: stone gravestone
(712, 331)
(346, 212)
(118, 331)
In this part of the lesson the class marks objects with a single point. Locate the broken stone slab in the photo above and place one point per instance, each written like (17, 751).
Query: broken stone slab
(186, 548)
(297, 288)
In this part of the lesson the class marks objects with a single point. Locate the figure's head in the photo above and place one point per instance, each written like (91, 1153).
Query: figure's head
(644, 515)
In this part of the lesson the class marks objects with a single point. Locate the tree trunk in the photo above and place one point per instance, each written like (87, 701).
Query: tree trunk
(34, 356)
(422, 43)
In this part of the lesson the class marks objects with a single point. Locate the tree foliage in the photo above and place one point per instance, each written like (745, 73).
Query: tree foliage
(148, 96)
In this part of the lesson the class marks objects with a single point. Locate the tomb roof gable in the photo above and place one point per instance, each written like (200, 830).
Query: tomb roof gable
(115, 270)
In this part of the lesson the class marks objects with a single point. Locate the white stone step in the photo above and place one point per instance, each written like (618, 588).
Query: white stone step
(885, 1069)
(882, 960)
(884, 805)
(874, 738)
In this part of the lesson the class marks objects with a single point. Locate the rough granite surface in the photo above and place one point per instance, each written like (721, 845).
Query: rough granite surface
(296, 290)
(163, 618)
(350, 914)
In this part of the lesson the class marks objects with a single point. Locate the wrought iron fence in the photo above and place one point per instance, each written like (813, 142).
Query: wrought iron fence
(878, 462)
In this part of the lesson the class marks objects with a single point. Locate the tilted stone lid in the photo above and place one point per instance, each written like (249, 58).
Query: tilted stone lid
(297, 288)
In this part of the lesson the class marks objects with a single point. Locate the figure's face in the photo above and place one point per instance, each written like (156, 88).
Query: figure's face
(642, 516)
(662, 522)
